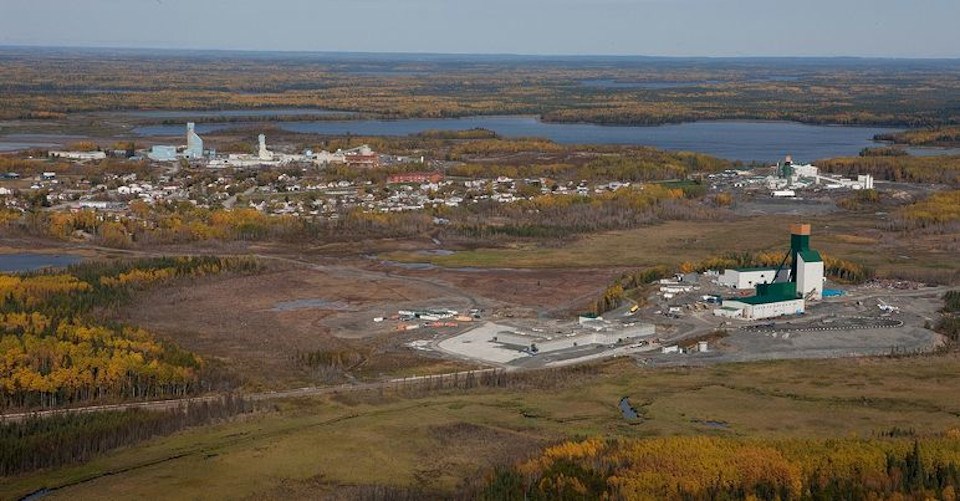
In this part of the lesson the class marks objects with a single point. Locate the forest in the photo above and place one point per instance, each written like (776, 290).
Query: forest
(565, 216)
(946, 137)
(906, 169)
(60, 346)
(949, 323)
(727, 468)
(54, 441)
(49, 84)
(938, 213)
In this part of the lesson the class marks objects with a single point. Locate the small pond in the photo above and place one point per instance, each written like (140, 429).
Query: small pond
(18, 263)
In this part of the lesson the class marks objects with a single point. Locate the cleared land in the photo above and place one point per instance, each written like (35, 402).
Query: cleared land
(259, 326)
(852, 236)
(334, 444)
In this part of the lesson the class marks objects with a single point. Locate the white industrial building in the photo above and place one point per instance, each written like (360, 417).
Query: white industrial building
(753, 309)
(264, 157)
(747, 278)
(78, 155)
(541, 343)
(783, 194)
(799, 175)
(806, 170)
(194, 148)
(263, 153)
(810, 275)
(192, 151)
(161, 153)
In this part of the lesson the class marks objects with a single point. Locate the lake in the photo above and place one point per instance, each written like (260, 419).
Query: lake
(16, 263)
(760, 141)
(17, 142)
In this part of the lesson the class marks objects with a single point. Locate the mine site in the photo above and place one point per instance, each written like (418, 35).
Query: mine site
(394, 276)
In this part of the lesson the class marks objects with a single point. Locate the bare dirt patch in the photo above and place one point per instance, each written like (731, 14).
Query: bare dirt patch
(545, 291)
(260, 325)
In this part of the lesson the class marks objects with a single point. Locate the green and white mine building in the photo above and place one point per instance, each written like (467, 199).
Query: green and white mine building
(789, 297)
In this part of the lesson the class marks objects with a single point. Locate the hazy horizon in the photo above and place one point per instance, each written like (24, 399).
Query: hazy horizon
(516, 55)
(639, 28)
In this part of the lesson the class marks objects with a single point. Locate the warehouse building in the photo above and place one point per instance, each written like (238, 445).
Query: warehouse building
(78, 155)
(747, 278)
(772, 300)
(542, 343)
(161, 153)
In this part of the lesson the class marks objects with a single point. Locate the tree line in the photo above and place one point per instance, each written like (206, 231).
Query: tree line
(930, 136)
(59, 346)
(836, 269)
(949, 322)
(627, 285)
(51, 442)
(907, 169)
(938, 213)
(563, 216)
(726, 468)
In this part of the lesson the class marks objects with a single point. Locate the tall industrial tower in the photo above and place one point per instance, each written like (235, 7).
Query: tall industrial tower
(806, 267)
(264, 153)
(194, 143)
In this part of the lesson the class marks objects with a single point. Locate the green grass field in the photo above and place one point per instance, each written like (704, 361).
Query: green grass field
(306, 447)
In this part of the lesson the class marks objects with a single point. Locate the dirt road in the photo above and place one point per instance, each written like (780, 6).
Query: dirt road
(170, 404)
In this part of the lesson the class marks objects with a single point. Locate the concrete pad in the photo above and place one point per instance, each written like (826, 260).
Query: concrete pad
(476, 344)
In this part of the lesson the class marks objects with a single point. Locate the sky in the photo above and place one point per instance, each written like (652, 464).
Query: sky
(878, 28)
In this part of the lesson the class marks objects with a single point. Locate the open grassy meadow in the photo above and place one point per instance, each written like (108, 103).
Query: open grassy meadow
(437, 440)
(843, 235)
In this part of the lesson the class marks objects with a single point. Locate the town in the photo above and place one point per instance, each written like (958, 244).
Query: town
(307, 184)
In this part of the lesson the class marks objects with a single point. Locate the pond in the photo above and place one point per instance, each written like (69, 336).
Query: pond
(629, 413)
(18, 263)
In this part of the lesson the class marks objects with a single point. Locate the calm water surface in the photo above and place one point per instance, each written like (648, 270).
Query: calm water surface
(734, 140)
(15, 263)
